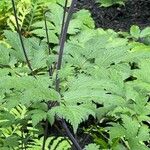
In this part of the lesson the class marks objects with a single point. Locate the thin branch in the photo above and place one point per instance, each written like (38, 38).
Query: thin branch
(20, 36)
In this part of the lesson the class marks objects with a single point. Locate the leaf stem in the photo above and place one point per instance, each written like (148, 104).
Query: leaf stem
(46, 30)
(48, 43)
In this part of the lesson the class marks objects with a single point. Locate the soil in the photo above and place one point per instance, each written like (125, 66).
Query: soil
(119, 18)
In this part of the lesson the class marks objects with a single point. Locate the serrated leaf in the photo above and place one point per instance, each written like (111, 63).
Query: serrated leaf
(37, 115)
(117, 131)
(143, 134)
(135, 31)
(92, 147)
(73, 114)
(4, 55)
(145, 32)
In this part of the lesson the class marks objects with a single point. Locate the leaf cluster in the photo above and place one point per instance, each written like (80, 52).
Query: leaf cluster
(104, 76)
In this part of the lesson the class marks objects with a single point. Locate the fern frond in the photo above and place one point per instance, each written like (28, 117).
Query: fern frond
(23, 8)
(52, 143)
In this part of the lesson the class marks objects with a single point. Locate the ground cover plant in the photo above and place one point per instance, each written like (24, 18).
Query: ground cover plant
(107, 3)
(68, 85)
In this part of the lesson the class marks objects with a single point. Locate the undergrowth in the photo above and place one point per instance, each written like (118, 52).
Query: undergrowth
(98, 98)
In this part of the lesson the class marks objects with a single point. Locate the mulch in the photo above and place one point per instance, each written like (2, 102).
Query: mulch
(119, 18)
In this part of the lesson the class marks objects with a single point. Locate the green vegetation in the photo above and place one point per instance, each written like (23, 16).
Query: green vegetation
(107, 3)
(104, 81)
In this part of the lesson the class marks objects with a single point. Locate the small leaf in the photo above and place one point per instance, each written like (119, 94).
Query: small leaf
(135, 31)
(145, 32)
(37, 116)
(92, 147)
(73, 114)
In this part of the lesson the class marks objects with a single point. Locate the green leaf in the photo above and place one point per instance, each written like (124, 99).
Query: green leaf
(85, 17)
(107, 3)
(92, 147)
(37, 115)
(116, 131)
(31, 90)
(143, 73)
(131, 126)
(73, 114)
(132, 131)
(4, 55)
(11, 141)
(145, 32)
(135, 31)
(143, 134)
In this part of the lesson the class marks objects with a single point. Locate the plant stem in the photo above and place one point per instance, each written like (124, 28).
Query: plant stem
(59, 63)
(62, 42)
(65, 26)
(45, 135)
(63, 20)
(48, 43)
(20, 36)
(50, 74)
(46, 30)
(71, 137)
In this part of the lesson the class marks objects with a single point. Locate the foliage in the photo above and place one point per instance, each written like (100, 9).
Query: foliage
(142, 35)
(107, 3)
(92, 147)
(104, 76)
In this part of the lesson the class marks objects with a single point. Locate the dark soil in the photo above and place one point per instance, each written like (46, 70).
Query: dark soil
(135, 12)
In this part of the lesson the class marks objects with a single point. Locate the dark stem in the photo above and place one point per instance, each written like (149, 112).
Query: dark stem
(20, 36)
(50, 74)
(64, 34)
(62, 42)
(70, 135)
(63, 20)
(63, 134)
(59, 63)
(45, 135)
